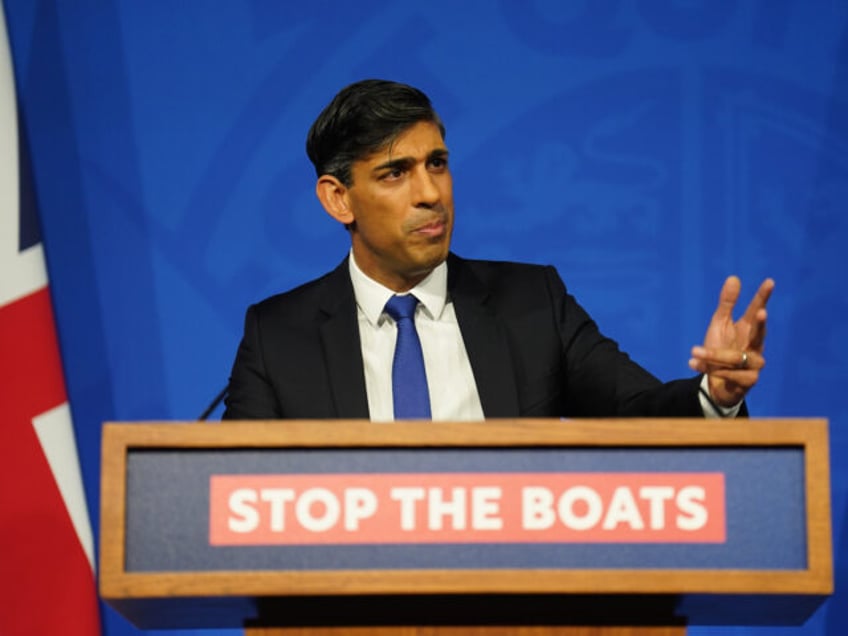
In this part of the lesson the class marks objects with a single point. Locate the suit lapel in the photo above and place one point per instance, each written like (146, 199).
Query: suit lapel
(342, 351)
(485, 341)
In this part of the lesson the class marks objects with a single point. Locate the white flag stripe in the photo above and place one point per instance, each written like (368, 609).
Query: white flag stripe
(22, 273)
(56, 434)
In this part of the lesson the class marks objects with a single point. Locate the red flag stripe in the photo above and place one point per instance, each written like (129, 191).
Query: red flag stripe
(47, 585)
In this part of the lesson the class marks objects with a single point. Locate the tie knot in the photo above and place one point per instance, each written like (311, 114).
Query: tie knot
(400, 307)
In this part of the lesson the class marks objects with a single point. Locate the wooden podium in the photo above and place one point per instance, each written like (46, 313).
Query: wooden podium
(530, 527)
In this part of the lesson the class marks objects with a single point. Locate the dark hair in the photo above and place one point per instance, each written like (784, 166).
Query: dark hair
(362, 119)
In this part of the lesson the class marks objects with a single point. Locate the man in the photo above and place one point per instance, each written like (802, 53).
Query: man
(497, 339)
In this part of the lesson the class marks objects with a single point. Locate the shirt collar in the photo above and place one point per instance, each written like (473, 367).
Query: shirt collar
(371, 296)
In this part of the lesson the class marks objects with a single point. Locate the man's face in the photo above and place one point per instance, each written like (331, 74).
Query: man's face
(401, 202)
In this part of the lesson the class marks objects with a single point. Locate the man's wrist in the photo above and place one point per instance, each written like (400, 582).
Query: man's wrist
(710, 407)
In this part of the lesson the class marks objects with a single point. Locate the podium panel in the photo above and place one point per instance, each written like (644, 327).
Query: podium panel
(537, 524)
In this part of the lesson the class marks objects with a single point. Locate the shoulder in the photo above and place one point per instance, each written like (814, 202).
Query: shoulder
(321, 294)
(503, 276)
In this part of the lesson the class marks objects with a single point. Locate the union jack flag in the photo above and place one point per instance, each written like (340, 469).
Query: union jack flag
(46, 547)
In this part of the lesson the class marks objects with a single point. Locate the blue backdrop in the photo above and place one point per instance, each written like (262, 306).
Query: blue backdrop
(647, 148)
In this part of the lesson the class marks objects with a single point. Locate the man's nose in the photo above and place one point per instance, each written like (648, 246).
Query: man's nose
(425, 191)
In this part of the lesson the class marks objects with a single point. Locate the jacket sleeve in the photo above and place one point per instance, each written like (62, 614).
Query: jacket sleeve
(603, 381)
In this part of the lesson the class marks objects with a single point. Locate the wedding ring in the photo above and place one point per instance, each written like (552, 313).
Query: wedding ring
(744, 363)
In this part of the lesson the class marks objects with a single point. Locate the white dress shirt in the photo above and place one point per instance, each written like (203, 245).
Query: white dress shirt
(450, 381)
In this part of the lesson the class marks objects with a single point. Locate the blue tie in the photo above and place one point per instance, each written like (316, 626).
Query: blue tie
(409, 380)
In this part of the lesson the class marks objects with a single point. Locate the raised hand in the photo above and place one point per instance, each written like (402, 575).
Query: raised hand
(732, 353)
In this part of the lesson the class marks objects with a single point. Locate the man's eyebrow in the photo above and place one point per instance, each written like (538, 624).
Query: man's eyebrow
(400, 162)
(406, 162)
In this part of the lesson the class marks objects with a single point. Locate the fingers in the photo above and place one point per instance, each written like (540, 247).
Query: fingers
(729, 295)
(727, 298)
(751, 327)
(742, 379)
(758, 331)
(760, 299)
(713, 361)
(756, 314)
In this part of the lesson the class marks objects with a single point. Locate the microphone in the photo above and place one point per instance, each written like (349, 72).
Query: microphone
(214, 404)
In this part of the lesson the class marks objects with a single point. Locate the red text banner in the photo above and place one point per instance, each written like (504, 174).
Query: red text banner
(467, 508)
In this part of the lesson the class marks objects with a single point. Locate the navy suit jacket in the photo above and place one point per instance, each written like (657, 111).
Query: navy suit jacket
(533, 350)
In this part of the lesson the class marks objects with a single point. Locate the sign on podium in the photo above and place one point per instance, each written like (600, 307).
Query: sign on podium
(557, 527)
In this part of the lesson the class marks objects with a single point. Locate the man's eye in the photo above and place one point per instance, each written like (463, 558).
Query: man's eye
(394, 173)
(438, 162)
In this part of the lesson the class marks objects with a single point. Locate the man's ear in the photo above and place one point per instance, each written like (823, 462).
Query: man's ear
(332, 194)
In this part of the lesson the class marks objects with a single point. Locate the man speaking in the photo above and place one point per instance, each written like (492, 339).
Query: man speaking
(405, 329)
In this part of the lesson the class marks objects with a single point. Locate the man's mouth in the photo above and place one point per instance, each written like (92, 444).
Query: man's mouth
(433, 229)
